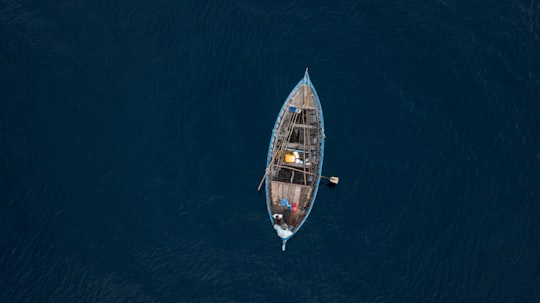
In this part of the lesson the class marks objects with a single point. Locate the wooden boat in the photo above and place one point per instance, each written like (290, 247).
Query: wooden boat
(295, 160)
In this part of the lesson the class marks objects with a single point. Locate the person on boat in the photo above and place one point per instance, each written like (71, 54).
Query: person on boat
(278, 219)
(281, 227)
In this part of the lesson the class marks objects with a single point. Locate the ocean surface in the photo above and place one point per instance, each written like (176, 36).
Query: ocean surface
(134, 134)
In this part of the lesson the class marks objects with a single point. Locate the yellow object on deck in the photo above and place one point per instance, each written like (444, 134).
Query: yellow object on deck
(290, 158)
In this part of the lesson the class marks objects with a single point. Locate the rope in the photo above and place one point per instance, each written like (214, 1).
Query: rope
(299, 170)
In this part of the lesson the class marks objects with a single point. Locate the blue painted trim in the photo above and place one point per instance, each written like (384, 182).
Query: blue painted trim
(307, 80)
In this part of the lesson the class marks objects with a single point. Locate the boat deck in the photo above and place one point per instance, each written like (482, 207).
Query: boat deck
(298, 135)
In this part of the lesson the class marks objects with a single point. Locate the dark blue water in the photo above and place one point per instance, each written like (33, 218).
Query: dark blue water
(134, 134)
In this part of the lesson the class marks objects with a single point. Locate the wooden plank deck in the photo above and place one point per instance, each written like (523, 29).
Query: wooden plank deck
(297, 193)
